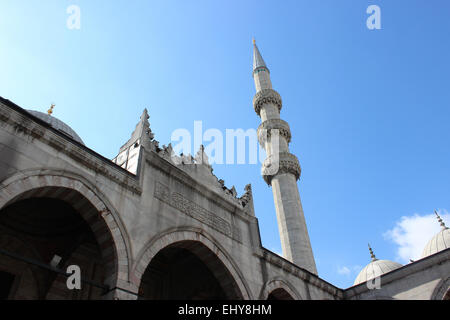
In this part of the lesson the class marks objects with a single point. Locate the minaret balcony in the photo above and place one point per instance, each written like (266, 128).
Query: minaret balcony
(283, 162)
(265, 130)
(266, 96)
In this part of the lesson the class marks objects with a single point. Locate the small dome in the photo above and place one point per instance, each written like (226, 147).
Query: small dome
(375, 269)
(57, 124)
(439, 242)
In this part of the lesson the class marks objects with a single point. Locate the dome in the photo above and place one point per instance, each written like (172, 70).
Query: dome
(375, 269)
(57, 124)
(439, 242)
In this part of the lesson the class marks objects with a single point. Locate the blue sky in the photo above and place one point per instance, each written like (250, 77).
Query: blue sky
(368, 109)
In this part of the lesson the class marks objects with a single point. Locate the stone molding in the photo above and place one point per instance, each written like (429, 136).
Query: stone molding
(266, 96)
(302, 274)
(285, 162)
(22, 125)
(265, 128)
(192, 209)
(220, 195)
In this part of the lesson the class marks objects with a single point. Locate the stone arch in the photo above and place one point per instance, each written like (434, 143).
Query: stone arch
(441, 291)
(70, 187)
(187, 234)
(279, 284)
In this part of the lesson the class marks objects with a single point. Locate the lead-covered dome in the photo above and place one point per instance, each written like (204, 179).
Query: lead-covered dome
(57, 124)
(375, 269)
(439, 242)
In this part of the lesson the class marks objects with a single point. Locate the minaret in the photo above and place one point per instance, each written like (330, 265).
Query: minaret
(281, 168)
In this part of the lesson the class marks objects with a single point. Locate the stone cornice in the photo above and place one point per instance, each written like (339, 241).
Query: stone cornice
(301, 273)
(21, 122)
(284, 162)
(266, 96)
(265, 128)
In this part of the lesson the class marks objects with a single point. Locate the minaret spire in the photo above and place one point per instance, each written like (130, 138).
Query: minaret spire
(258, 61)
(440, 220)
(261, 73)
(281, 169)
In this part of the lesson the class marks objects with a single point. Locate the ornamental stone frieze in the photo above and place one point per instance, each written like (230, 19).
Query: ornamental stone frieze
(284, 162)
(265, 128)
(266, 96)
(194, 210)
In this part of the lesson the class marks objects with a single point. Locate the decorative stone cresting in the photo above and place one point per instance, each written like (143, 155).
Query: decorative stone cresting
(144, 135)
(287, 163)
(247, 196)
(266, 96)
(201, 159)
(265, 128)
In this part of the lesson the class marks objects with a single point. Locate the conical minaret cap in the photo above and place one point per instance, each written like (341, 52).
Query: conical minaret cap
(258, 61)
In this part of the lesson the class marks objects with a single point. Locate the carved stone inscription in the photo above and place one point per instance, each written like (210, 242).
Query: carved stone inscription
(190, 208)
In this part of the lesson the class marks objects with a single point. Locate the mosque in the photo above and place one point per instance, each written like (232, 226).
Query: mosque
(150, 224)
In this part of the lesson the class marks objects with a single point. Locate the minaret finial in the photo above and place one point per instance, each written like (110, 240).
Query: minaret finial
(50, 111)
(440, 220)
(372, 255)
(253, 40)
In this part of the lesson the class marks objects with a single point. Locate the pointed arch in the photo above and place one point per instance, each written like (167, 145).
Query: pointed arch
(188, 234)
(279, 284)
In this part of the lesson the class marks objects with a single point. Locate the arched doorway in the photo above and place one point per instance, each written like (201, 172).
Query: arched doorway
(279, 289)
(54, 227)
(187, 270)
(279, 294)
